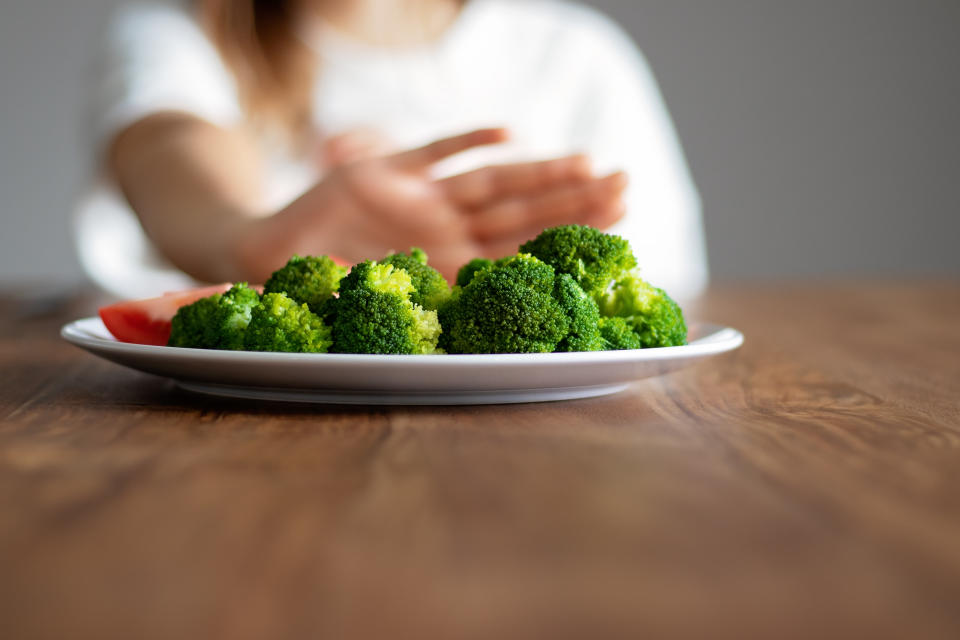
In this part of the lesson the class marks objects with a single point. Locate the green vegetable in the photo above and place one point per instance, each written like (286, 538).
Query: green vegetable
(310, 280)
(583, 333)
(572, 288)
(650, 313)
(591, 257)
(328, 310)
(216, 322)
(617, 334)
(430, 288)
(193, 325)
(279, 323)
(508, 308)
(375, 314)
(467, 271)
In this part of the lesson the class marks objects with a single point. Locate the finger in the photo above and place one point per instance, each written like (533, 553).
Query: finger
(483, 186)
(421, 158)
(354, 145)
(606, 218)
(509, 244)
(561, 205)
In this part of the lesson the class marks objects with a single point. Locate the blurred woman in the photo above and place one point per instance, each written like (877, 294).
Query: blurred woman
(243, 131)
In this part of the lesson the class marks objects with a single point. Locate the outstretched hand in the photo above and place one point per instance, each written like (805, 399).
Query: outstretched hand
(372, 205)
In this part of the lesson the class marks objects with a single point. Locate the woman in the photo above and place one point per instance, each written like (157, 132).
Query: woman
(243, 131)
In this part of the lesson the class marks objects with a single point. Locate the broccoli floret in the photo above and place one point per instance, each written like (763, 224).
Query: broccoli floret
(279, 323)
(193, 324)
(216, 322)
(310, 281)
(430, 288)
(509, 308)
(375, 314)
(650, 312)
(617, 335)
(592, 257)
(584, 331)
(328, 310)
(233, 315)
(467, 271)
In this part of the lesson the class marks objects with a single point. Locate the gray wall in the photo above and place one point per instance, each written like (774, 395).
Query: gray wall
(823, 134)
(44, 47)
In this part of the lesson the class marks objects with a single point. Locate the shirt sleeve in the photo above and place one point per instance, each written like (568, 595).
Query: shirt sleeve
(623, 123)
(156, 58)
(150, 59)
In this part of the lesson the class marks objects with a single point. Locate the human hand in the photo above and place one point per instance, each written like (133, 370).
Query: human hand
(352, 146)
(506, 205)
(367, 208)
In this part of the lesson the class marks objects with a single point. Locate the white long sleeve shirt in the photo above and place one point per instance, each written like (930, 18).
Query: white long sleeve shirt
(562, 77)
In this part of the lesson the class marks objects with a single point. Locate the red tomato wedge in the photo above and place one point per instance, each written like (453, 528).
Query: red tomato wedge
(148, 321)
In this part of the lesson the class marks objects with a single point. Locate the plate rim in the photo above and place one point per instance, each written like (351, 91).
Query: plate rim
(718, 339)
(370, 379)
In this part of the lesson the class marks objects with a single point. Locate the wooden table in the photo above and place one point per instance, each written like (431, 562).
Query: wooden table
(805, 486)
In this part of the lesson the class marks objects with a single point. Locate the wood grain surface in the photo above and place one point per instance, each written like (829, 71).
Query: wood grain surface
(807, 486)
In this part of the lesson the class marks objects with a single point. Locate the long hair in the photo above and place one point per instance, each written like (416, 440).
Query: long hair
(272, 66)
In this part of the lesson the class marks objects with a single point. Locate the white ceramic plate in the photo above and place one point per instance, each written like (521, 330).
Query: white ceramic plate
(370, 379)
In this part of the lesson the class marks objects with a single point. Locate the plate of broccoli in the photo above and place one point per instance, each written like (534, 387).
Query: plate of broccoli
(566, 317)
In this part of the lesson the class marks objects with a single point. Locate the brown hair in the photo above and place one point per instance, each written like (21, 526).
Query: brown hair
(273, 67)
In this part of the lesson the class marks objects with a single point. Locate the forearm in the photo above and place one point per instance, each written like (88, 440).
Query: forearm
(196, 190)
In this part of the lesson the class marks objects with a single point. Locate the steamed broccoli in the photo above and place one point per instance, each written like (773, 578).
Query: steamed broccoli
(584, 331)
(279, 323)
(573, 288)
(375, 314)
(328, 310)
(592, 257)
(310, 280)
(509, 308)
(650, 313)
(617, 334)
(193, 324)
(467, 271)
(216, 322)
(430, 288)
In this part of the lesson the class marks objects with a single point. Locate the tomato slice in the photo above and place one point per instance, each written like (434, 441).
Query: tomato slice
(148, 321)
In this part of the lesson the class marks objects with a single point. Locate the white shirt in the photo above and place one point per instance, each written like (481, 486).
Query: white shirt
(562, 77)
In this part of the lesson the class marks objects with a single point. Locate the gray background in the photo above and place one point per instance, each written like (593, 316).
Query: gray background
(823, 134)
